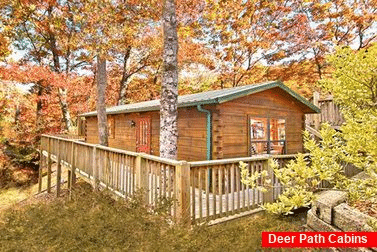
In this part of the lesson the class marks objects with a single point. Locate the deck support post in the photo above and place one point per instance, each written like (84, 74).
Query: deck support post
(49, 164)
(142, 176)
(182, 193)
(58, 170)
(268, 197)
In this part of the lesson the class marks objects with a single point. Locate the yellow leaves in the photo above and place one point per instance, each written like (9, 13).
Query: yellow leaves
(185, 32)
(291, 199)
(300, 178)
(258, 179)
(315, 182)
(4, 46)
(32, 7)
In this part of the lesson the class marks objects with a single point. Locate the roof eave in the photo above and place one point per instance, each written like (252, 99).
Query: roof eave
(301, 99)
(253, 89)
(152, 108)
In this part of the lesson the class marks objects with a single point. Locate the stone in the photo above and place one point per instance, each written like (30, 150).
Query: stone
(326, 201)
(350, 219)
(362, 175)
(316, 224)
(354, 249)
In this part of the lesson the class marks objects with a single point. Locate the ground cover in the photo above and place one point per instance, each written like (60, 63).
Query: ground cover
(94, 221)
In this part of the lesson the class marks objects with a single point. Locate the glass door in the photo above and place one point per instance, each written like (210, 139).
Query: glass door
(267, 136)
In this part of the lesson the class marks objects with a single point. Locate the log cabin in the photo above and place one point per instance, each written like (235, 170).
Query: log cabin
(265, 118)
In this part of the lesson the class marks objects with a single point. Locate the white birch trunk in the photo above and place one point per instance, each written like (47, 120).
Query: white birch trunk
(169, 92)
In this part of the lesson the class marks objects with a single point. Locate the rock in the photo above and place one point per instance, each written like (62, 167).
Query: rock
(317, 224)
(350, 219)
(327, 200)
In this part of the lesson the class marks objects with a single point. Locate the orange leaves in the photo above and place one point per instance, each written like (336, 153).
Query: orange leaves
(33, 74)
(44, 85)
(347, 23)
(244, 34)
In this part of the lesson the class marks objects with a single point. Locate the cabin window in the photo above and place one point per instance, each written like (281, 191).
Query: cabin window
(267, 135)
(111, 126)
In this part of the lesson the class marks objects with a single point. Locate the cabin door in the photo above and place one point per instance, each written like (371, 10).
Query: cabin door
(143, 135)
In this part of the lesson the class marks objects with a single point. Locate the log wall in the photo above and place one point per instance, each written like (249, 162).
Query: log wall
(191, 133)
(230, 126)
(232, 140)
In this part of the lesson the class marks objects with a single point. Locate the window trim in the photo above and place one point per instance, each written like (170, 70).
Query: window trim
(268, 134)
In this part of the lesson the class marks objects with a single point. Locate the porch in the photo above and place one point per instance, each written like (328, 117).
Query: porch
(201, 191)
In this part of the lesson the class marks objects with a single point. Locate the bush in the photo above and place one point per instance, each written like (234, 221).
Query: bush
(353, 86)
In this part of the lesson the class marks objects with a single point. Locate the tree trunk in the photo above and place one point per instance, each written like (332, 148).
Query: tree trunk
(38, 121)
(169, 92)
(64, 107)
(122, 99)
(62, 92)
(101, 97)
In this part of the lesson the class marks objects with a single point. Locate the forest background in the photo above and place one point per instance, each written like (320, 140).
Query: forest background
(48, 48)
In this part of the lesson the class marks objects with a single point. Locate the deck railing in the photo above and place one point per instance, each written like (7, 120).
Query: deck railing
(217, 190)
(330, 113)
(120, 171)
(201, 191)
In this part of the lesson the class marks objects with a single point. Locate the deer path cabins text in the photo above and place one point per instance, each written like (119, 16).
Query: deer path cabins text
(266, 118)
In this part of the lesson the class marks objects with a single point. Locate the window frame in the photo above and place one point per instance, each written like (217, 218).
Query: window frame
(268, 134)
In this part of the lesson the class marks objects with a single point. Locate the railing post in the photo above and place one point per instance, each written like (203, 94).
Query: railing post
(69, 161)
(142, 176)
(41, 164)
(268, 196)
(316, 116)
(49, 164)
(95, 167)
(58, 170)
(182, 193)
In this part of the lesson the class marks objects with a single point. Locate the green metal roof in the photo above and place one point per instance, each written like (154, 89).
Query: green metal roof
(209, 97)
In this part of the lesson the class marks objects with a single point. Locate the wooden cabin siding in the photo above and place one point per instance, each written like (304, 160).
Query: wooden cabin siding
(125, 136)
(234, 135)
(91, 130)
(270, 103)
(230, 126)
(191, 133)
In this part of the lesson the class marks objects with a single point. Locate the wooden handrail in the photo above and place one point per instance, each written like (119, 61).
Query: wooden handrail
(120, 151)
(201, 190)
(237, 160)
(313, 131)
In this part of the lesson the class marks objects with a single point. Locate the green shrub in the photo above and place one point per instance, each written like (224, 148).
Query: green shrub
(353, 86)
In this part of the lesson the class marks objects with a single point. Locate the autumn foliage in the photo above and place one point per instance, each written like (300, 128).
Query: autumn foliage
(221, 44)
(30, 104)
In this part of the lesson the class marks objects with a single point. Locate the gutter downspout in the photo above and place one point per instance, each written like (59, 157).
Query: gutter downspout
(209, 132)
(209, 138)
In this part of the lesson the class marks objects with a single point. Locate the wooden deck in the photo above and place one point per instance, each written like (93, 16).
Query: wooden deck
(201, 191)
